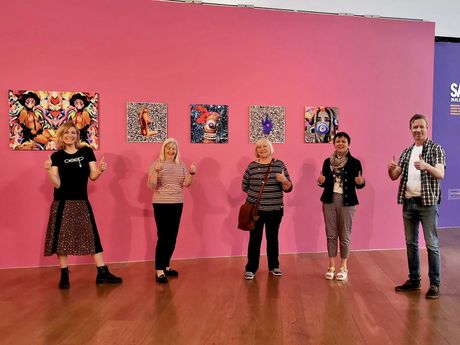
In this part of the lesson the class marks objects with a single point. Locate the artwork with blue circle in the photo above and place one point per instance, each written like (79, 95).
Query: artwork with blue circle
(321, 124)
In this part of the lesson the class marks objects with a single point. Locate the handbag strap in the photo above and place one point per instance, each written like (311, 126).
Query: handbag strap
(263, 184)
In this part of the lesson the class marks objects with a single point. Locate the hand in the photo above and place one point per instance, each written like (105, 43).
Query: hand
(321, 178)
(102, 165)
(421, 164)
(48, 163)
(359, 179)
(280, 177)
(392, 165)
(192, 170)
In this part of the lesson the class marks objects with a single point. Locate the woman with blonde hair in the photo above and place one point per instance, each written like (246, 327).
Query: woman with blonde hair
(72, 228)
(271, 207)
(167, 177)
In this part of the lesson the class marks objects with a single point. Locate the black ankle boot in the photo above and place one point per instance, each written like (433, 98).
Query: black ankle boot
(64, 282)
(105, 277)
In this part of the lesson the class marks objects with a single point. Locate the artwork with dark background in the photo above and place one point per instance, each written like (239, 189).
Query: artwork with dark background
(209, 123)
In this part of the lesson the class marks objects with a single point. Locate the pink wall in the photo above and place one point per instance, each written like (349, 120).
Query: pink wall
(378, 72)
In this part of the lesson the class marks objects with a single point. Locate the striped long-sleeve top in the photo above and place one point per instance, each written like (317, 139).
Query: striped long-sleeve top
(272, 196)
(170, 183)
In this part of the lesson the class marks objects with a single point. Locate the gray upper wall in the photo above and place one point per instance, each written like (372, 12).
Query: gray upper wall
(445, 13)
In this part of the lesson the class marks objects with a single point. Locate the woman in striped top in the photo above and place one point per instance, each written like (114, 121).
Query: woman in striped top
(270, 205)
(167, 177)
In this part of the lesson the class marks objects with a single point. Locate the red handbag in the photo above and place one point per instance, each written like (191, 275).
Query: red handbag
(248, 215)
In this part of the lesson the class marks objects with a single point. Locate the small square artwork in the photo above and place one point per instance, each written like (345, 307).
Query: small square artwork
(267, 122)
(35, 117)
(147, 122)
(321, 124)
(209, 123)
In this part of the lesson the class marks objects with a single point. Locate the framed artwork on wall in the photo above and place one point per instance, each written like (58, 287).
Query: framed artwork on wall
(147, 122)
(35, 117)
(268, 122)
(209, 123)
(321, 124)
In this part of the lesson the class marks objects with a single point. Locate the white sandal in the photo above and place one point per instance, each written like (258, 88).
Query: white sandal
(342, 275)
(330, 273)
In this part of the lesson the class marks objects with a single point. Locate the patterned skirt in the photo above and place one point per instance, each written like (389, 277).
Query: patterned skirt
(72, 229)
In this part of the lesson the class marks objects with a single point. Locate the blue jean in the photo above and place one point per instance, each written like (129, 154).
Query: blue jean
(414, 214)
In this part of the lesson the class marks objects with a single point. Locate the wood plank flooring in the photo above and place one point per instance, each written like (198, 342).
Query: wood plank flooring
(210, 303)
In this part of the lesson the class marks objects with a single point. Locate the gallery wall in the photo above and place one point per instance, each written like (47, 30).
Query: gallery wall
(377, 72)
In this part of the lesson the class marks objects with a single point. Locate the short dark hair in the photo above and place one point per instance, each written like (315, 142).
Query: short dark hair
(418, 117)
(343, 135)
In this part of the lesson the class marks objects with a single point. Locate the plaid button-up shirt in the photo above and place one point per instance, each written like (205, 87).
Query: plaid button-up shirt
(433, 154)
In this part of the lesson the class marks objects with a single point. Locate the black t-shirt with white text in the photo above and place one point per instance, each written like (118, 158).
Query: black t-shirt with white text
(74, 172)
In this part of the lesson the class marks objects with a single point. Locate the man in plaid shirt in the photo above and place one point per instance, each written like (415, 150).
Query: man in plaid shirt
(421, 168)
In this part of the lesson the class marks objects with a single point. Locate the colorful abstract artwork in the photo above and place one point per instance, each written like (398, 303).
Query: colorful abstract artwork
(268, 122)
(35, 116)
(321, 124)
(147, 122)
(209, 123)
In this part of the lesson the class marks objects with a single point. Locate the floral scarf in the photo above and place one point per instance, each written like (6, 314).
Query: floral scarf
(337, 164)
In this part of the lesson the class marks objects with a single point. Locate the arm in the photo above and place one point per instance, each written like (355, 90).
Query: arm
(321, 179)
(394, 170)
(189, 177)
(53, 173)
(96, 170)
(435, 171)
(284, 179)
(153, 174)
(359, 180)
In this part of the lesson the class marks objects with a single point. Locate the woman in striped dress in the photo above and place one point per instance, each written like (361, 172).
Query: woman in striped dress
(168, 176)
(270, 205)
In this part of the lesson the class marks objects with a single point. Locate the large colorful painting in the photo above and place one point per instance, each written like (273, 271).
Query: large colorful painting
(209, 123)
(147, 122)
(268, 122)
(35, 116)
(321, 124)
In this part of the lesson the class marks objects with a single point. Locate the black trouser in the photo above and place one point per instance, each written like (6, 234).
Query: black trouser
(271, 220)
(167, 218)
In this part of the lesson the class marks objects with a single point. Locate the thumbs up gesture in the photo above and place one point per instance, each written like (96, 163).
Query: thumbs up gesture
(192, 169)
(420, 164)
(359, 179)
(48, 163)
(281, 177)
(102, 165)
(321, 178)
(392, 165)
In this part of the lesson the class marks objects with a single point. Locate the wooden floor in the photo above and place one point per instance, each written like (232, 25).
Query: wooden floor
(210, 303)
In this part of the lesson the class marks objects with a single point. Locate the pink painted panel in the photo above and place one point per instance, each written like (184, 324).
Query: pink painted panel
(377, 72)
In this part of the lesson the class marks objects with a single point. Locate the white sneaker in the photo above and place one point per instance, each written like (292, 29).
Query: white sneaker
(249, 275)
(276, 272)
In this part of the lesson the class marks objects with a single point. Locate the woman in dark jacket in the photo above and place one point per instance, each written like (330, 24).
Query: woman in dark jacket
(340, 176)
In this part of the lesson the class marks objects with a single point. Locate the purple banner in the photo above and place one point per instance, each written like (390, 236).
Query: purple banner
(446, 127)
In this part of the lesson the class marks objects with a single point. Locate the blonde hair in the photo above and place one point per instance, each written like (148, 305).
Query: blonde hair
(60, 135)
(167, 142)
(266, 141)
